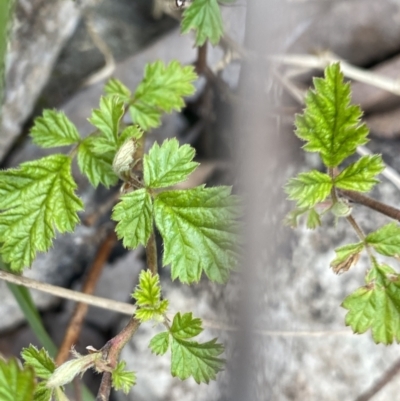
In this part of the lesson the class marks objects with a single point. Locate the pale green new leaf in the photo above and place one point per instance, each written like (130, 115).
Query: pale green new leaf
(186, 326)
(360, 176)
(133, 131)
(39, 360)
(107, 119)
(309, 188)
(122, 379)
(16, 383)
(159, 344)
(148, 297)
(134, 214)
(346, 257)
(386, 240)
(54, 129)
(198, 228)
(168, 164)
(204, 16)
(97, 167)
(161, 90)
(376, 306)
(201, 361)
(313, 219)
(42, 393)
(330, 125)
(36, 199)
(114, 87)
(293, 217)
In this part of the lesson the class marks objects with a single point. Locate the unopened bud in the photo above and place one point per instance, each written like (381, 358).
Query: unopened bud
(123, 159)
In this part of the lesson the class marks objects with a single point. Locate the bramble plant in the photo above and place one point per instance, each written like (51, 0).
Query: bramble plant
(331, 126)
(197, 226)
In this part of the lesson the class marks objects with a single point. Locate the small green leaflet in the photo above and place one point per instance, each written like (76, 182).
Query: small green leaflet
(123, 379)
(107, 119)
(54, 129)
(360, 176)
(204, 16)
(115, 87)
(376, 306)
(189, 358)
(198, 228)
(134, 214)
(309, 188)
(40, 361)
(168, 164)
(133, 131)
(42, 393)
(97, 167)
(386, 240)
(159, 344)
(16, 383)
(36, 199)
(186, 326)
(346, 257)
(201, 361)
(330, 125)
(148, 297)
(293, 217)
(161, 90)
(313, 219)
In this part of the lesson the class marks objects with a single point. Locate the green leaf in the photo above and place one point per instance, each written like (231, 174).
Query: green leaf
(309, 188)
(186, 326)
(330, 125)
(122, 379)
(16, 383)
(386, 240)
(42, 393)
(204, 16)
(107, 119)
(313, 219)
(97, 167)
(148, 297)
(54, 129)
(134, 214)
(293, 217)
(159, 343)
(40, 361)
(36, 199)
(346, 257)
(198, 228)
(189, 358)
(168, 164)
(133, 131)
(360, 176)
(114, 87)
(161, 90)
(376, 306)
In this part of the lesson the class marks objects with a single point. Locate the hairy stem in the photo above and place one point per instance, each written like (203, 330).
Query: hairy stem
(151, 254)
(373, 204)
(332, 173)
(113, 349)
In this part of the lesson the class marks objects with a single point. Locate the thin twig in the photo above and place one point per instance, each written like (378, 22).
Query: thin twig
(128, 309)
(373, 204)
(104, 49)
(349, 71)
(61, 292)
(382, 382)
(201, 62)
(75, 324)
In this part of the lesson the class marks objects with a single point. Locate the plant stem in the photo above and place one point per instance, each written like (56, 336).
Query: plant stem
(332, 174)
(151, 254)
(201, 62)
(373, 204)
(361, 235)
(113, 349)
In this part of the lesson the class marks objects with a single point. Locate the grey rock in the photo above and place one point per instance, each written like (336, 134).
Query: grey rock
(39, 31)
